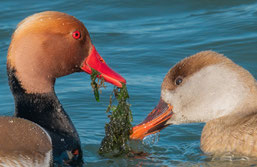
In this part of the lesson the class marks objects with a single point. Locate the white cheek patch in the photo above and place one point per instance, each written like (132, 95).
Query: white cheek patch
(212, 92)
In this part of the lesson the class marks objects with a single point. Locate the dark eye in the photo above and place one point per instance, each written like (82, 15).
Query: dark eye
(178, 80)
(76, 34)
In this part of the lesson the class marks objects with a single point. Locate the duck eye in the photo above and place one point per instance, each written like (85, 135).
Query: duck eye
(76, 34)
(178, 80)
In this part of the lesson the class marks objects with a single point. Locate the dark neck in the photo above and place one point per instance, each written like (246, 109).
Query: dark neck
(45, 110)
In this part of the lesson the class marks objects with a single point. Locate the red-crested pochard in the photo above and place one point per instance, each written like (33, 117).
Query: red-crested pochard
(208, 87)
(46, 46)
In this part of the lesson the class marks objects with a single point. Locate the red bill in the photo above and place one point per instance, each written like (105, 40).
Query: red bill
(95, 61)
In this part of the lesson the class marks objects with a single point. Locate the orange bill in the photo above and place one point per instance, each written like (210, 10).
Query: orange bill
(154, 122)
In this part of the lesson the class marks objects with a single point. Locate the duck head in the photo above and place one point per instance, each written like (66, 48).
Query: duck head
(200, 88)
(49, 45)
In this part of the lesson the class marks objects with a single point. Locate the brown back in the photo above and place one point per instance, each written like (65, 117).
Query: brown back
(20, 138)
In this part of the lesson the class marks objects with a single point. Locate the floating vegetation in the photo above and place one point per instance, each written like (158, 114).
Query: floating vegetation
(118, 130)
(96, 85)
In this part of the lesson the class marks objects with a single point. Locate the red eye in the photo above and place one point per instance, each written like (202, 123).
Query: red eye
(76, 34)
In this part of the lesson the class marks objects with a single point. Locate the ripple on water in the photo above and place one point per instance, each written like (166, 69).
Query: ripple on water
(141, 40)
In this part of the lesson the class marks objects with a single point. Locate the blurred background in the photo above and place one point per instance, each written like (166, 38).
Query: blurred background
(141, 40)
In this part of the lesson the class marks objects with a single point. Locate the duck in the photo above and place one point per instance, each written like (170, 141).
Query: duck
(44, 47)
(210, 88)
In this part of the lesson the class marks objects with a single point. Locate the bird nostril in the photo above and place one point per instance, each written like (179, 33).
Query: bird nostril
(101, 59)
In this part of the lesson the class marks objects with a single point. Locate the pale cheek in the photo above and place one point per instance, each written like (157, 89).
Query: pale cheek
(174, 99)
(209, 94)
(169, 97)
(166, 96)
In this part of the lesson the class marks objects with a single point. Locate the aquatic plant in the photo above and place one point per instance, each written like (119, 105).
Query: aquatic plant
(96, 85)
(118, 130)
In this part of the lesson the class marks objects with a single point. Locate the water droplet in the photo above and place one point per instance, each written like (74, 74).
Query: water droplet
(151, 139)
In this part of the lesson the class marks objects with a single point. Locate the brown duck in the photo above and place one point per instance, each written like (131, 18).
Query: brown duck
(208, 87)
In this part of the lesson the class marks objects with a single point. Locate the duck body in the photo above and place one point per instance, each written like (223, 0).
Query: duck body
(237, 136)
(208, 87)
(44, 47)
(22, 142)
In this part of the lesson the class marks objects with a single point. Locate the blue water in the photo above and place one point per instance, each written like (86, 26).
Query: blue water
(141, 40)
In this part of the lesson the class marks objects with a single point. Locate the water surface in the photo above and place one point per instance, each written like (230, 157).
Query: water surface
(141, 40)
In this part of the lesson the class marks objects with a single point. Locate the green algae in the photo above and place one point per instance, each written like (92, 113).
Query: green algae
(96, 85)
(118, 130)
